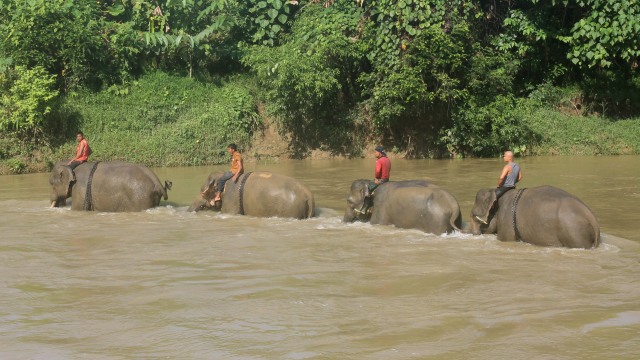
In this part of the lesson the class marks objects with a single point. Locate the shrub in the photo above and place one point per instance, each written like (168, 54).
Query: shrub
(27, 96)
(309, 82)
(165, 120)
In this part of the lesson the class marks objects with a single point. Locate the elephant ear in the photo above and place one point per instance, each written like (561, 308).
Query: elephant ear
(484, 200)
(208, 189)
(492, 197)
(366, 192)
(61, 175)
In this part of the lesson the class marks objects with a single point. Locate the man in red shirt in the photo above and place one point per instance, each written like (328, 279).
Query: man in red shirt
(383, 166)
(82, 151)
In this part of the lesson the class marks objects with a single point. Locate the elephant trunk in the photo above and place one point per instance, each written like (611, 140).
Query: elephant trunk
(58, 203)
(474, 227)
(349, 215)
(199, 204)
(57, 200)
(196, 205)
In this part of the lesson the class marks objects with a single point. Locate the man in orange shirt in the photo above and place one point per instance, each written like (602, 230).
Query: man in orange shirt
(236, 170)
(82, 151)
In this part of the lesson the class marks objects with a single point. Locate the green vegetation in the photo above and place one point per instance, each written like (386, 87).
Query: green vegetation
(170, 83)
(160, 120)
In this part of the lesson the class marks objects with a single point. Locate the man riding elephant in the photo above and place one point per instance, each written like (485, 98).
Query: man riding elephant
(544, 215)
(106, 186)
(236, 170)
(411, 204)
(382, 174)
(511, 174)
(82, 151)
(260, 194)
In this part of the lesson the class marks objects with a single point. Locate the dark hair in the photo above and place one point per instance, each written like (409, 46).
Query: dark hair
(233, 146)
(79, 133)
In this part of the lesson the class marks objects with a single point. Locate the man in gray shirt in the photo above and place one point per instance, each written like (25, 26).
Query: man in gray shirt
(510, 175)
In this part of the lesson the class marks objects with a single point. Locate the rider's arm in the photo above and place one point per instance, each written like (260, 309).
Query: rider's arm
(505, 171)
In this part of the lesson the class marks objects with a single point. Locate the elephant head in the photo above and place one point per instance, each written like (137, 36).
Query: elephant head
(207, 193)
(484, 199)
(61, 181)
(358, 201)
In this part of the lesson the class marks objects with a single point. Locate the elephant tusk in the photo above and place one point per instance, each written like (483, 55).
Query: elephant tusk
(363, 210)
(53, 204)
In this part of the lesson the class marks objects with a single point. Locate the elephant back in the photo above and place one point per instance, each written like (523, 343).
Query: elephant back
(117, 186)
(267, 194)
(416, 204)
(547, 216)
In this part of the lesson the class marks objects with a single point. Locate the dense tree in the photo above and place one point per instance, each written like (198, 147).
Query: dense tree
(426, 76)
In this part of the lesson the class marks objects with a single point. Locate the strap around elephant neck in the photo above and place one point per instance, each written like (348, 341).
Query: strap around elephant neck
(88, 204)
(241, 192)
(513, 210)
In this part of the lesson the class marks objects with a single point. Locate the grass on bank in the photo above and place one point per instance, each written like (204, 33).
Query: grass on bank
(160, 120)
(165, 120)
(564, 134)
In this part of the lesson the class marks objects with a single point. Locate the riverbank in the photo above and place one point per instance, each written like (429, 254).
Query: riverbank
(168, 121)
(560, 135)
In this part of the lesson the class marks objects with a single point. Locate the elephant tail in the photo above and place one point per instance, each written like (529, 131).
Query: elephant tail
(456, 221)
(310, 207)
(165, 189)
(456, 226)
(597, 241)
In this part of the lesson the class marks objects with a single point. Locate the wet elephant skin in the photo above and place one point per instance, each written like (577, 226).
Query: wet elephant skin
(259, 194)
(545, 216)
(115, 187)
(412, 204)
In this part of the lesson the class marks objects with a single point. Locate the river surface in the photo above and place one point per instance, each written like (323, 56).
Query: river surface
(170, 284)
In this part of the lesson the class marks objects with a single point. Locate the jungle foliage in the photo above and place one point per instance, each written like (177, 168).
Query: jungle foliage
(425, 77)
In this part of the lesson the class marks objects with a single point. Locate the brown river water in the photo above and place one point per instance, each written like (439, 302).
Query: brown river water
(170, 284)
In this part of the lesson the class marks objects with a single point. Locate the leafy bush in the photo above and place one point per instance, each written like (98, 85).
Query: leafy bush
(309, 82)
(27, 96)
(489, 129)
(61, 36)
(164, 120)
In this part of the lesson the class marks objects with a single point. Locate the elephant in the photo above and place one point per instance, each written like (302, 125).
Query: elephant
(112, 187)
(259, 194)
(544, 216)
(410, 204)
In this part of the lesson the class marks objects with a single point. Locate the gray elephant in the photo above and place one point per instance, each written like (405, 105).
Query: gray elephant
(411, 204)
(106, 186)
(259, 194)
(545, 216)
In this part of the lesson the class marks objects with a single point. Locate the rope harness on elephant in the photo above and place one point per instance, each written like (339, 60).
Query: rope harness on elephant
(241, 192)
(513, 210)
(88, 204)
(367, 202)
